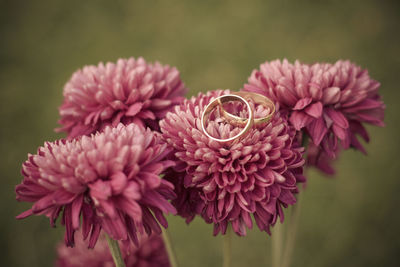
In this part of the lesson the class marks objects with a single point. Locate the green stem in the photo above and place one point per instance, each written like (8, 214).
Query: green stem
(227, 247)
(115, 252)
(168, 246)
(277, 239)
(291, 234)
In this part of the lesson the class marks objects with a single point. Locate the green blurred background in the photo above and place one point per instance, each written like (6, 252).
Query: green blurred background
(351, 220)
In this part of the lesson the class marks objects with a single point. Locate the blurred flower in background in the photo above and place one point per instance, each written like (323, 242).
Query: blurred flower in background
(330, 102)
(150, 253)
(130, 90)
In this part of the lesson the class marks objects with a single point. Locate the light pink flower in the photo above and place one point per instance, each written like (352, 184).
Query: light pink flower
(231, 182)
(150, 253)
(127, 91)
(110, 180)
(330, 102)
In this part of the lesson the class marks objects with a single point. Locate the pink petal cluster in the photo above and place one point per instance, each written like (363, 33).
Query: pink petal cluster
(329, 102)
(107, 181)
(231, 182)
(127, 91)
(150, 253)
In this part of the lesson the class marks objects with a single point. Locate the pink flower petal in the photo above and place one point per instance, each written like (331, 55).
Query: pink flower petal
(299, 120)
(331, 95)
(25, 214)
(357, 128)
(134, 109)
(100, 190)
(317, 130)
(315, 110)
(302, 103)
(76, 211)
(118, 182)
(356, 144)
(159, 104)
(338, 118)
(340, 132)
(367, 104)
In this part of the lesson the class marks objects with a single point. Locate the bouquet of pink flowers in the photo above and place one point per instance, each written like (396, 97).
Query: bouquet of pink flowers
(136, 150)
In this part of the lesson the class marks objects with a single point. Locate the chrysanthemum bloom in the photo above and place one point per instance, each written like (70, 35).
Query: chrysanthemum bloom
(330, 102)
(127, 91)
(110, 179)
(150, 253)
(231, 182)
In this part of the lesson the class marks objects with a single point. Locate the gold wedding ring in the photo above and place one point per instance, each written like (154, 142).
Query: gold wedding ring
(257, 99)
(217, 102)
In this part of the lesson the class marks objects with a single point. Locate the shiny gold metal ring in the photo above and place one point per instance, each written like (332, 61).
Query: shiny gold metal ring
(217, 102)
(257, 99)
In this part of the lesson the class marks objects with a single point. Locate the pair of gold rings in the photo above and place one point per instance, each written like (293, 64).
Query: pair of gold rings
(246, 123)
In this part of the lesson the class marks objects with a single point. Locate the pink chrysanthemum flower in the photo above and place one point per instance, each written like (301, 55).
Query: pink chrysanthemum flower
(127, 91)
(330, 102)
(110, 179)
(231, 182)
(150, 253)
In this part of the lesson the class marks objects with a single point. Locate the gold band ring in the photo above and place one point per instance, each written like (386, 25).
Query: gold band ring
(217, 102)
(258, 99)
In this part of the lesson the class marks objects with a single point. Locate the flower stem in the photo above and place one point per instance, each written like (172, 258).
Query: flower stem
(277, 238)
(115, 252)
(291, 234)
(170, 250)
(227, 247)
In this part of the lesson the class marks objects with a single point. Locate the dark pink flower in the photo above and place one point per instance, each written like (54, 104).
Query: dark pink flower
(150, 253)
(330, 102)
(110, 180)
(127, 91)
(231, 182)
